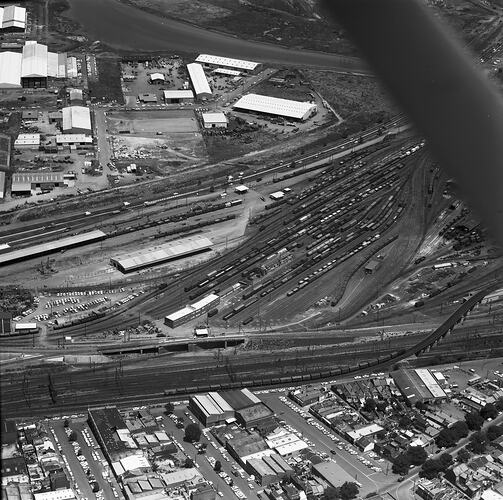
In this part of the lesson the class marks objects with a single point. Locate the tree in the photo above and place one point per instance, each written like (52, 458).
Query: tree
(499, 404)
(369, 406)
(446, 438)
(430, 469)
(96, 487)
(416, 455)
(73, 436)
(169, 407)
(192, 433)
(460, 429)
(474, 421)
(189, 463)
(421, 406)
(348, 490)
(488, 411)
(218, 466)
(67, 423)
(494, 432)
(401, 464)
(463, 455)
(331, 493)
(478, 442)
(381, 405)
(404, 421)
(445, 460)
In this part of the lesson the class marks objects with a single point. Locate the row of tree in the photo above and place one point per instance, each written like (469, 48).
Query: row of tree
(347, 491)
(415, 455)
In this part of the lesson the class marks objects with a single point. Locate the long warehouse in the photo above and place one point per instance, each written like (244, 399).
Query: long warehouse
(192, 311)
(275, 106)
(50, 247)
(199, 81)
(227, 62)
(176, 249)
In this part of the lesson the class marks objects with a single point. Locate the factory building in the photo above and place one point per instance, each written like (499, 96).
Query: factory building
(198, 80)
(76, 96)
(178, 96)
(274, 106)
(71, 67)
(210, 61)
(77, 120)
(332, 473)
(163, 253)
(156, 78)
(74, 140)
(10, 70)
(34, 65)
(418, 385)
(56, 65)
(12, 19)
(27, 141)
(269, 469)
(192, 311)
(215, 120)
(211, 408)
(23, 183)
(50, 247)
(226, 72)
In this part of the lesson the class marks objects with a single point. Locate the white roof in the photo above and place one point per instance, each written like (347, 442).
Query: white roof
(250, 395)
(76, 117)
(56, 65)
(429, 381)
(27, 139)
(225, 71)
(163, 252)
(71, 67)
(277, 194)
(2, 192)
(288, 448)
(13, 16)
(70, 138)
(198, 79)
(185, 311)
(75, 94)
(178, 94)
(241, 188)
(205, 301)
(65, 494)
(25, 326)
(134, 462)
(275, 106)
(216, 117)
(10, 69)
(226, 61)
(491, 495)
(34, 60)
(157, 76)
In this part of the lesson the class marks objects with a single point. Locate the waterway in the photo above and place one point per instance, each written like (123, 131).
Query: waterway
(127, 28)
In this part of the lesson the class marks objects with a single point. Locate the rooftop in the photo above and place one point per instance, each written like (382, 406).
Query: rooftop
(274, 105)
(226, 61)
(198, 79)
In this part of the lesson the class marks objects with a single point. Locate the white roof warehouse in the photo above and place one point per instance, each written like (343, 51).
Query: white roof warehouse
(276, 106)
(227, 62)
(76, 119)
(198, 79)
(13, 18)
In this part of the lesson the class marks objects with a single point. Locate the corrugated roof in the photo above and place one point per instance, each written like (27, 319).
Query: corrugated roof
(274, 106)
(162, 253)
(198, 79)
(56, 65)
(185, 311)
(225, 71)
(13, 16)
(178, 94)
(10, 69)
(76, 117)
(226, 61)
(430, 382)
(34, 60)
(71, 67)
(51, 246)
(216, 117)
(69, 138)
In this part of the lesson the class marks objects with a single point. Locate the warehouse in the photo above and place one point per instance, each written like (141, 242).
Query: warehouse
(147, 98)
(277, 195)
(23, 183)
(332, 473)
(269, 469)
(76, 120)
(215, 120)
(156, 78)
(50, 247)
(163, 253)
(210, 409)
(227, 62)
(2, 184)
(76, 95)
(71, 67)
(27, 141)
(25, 328)
(13, 19)
(177, 96)
(226, 72)
(275, 106)
(199, 82)
(10, 70)
(241, 189)
(372, 266)
(73, 140)
(34, 65)
(56, 65)
(192, 311)
(416, 386)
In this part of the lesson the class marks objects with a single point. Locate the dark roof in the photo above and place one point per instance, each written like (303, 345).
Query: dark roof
(237, 399)
(255, 412)
(13, 466)
(107, 420)
(8, 432)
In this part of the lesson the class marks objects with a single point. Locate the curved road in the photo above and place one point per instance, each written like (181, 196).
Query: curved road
(128, 28)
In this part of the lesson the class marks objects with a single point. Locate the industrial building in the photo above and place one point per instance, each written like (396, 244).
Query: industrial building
(74, 140)
(199, 81)
(371, 266)
(12, 19)
(23, 183)
(226, 72)
(147, 98)
(157, 78)
(215, 120)
(71, 67)
(32, 67)
(77, 120)
(418, 385)
(2, 184)
(210, 61)
(50, 247)
(75, 95)
(275, 106)
(332, 473)
(211, 408)
(25, 328)
(277, 195)
(269, 469)
(285, 443)
(111, 432)
(192, 311)
(27, 141)
(163, 253)
(177, 96)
